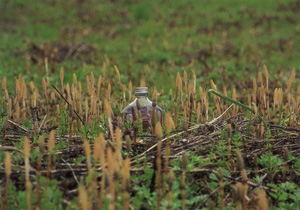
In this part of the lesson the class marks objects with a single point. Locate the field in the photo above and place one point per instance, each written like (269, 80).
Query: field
(226, 74)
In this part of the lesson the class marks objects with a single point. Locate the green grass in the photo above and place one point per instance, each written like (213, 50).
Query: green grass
(178, 31)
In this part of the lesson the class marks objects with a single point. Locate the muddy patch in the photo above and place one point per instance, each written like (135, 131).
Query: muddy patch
(58, 52)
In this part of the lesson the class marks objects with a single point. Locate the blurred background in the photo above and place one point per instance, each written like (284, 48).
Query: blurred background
(227, 41)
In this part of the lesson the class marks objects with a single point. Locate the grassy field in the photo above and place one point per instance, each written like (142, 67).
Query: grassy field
(225, 41)
(196, 57)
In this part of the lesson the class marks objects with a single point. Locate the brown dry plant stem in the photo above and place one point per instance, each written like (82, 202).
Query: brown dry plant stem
(170, 179)
(83, 198)
(285, 165)
(175, 100)
(243, 187)
(27, 168)
(38, 172)
(108, 111)
(113, 178)
(158, 162)
(3, 91)
(169, 125)
(190, 110)
(7, 173)
(103, 167)
(126, 183)
(184, 163)
(154, 102)
(87, 150)
(51, 144)
(135, 124)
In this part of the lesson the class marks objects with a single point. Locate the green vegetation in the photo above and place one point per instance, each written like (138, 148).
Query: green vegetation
(225, 41)
(226, 74)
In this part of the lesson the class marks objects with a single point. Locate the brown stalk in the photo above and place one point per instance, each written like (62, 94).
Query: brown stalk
(108, 114)
(175, 101)
(191, 103)
(184, 163)
(62, 78)
(99, 86)
(198, 112)
(142, 82)
(234, 98)
(38, 172)
(7, 173)
(185, 116)
(219, 174)
(259, 199)
(123, 104)
(170, 100)
(47, 71)
(126, 183)
(169, 125)
(244, 186)
(170, 179)
(229, 134)
(194, 90)
(158, 162)
(113, 177)
(9, 109)
(87, 150)
(266, 73)
(185, 83)
(102, 163)
(118, 145)
(135, 129)
(180, 93)
(27, 168)
(83, 198)
(130, 89)
(51, 144)
(154, 102)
